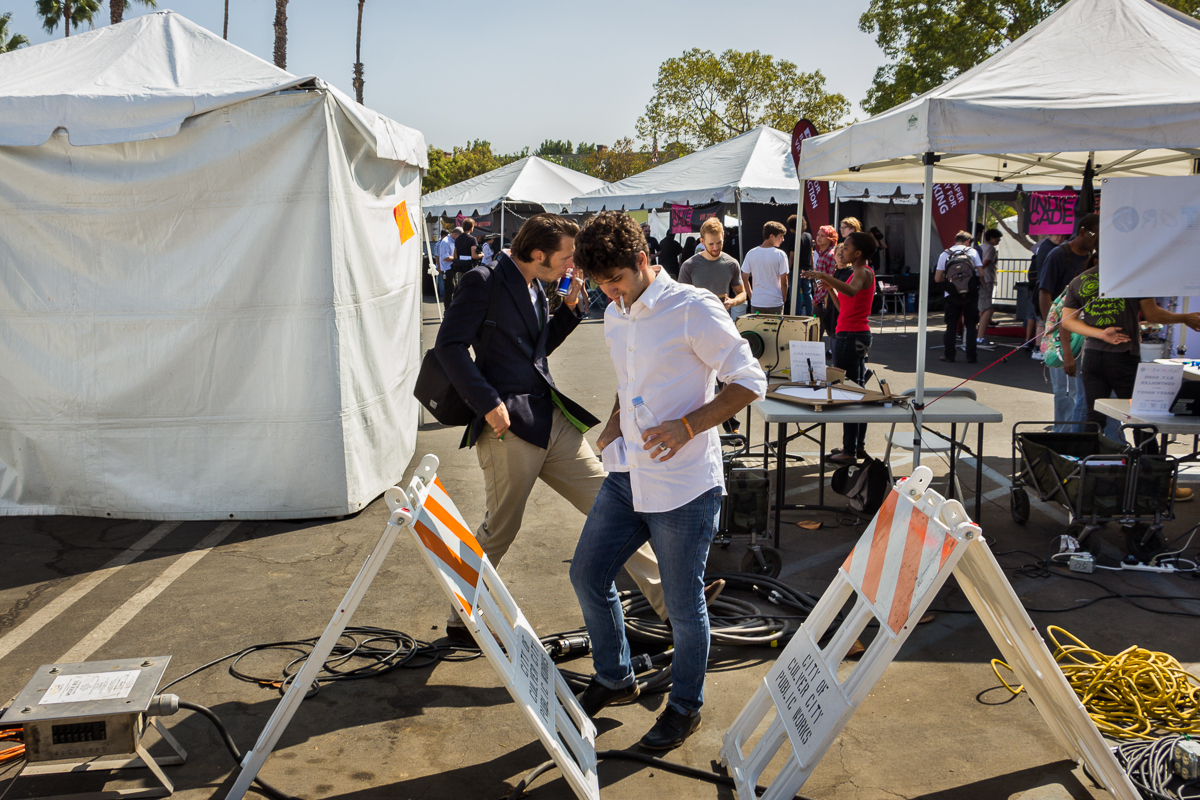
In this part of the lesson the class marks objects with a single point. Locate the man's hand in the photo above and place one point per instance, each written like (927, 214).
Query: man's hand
(1192, 320)
(1113, 335)
(729, 302)
(611, 432)
(576, 287)
(498, 419)
(1068, 362)
(667, 438)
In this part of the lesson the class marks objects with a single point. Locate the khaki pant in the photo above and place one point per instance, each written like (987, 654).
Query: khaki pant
(568, 466)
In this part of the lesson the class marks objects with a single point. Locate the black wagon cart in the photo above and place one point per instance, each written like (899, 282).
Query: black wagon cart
(1098, 480)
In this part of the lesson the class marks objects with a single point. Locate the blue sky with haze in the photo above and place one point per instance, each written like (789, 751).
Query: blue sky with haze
(578, 71)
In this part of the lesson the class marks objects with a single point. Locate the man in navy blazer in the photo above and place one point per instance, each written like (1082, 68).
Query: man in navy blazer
(525, 428)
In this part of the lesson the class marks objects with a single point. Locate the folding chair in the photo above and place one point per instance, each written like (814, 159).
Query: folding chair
(931, 442)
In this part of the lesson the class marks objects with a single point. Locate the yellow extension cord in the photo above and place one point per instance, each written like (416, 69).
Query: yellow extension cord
(1136, 694)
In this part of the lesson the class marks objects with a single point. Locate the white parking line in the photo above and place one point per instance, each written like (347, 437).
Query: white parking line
(58, 605)
(119, 618)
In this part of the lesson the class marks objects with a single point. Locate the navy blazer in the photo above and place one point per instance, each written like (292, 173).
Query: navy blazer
(514, 371)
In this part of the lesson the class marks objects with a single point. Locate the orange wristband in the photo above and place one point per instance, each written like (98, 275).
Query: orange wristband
(688, 425)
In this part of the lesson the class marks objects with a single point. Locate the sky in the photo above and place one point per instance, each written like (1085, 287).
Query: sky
(539, 70)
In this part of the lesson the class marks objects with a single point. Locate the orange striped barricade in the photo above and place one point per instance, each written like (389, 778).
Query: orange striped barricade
(903, 558)
(895, 570)
(500, 629)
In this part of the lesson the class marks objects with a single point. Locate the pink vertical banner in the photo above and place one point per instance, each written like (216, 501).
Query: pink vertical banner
(681, 219)
(949, 211)
(1051, 212)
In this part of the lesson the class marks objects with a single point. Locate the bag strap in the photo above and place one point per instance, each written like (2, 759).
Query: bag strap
(489, 320)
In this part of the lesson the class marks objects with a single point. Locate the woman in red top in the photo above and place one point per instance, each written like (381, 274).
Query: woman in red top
(852, 342)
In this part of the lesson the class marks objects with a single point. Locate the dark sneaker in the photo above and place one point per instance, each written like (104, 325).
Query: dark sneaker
(947, 360)
(839, 457)
(458, 634)
(862, 455)
(671, 730)
(596, 696)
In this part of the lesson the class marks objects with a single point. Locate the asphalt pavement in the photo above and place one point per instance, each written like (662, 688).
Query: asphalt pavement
(936, 725)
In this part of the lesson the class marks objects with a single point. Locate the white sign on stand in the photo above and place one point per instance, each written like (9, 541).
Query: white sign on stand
(489, 612)
(1155, 388)
(801, 354)
(916, 541)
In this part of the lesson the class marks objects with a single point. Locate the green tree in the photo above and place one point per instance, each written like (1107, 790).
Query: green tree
(615, 163)
(447, 169)
(701, 99)
(9, 42)
(583, 148)
(116, 8)
(933, 41)
(554, 147)
(72, 13)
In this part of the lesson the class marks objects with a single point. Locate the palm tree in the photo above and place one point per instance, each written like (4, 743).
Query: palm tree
(8, 43)
(116, 8)
(281, 33)
(70, 12)
(358, 67)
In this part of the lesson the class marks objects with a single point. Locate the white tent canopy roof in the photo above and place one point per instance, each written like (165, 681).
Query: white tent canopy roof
(904, 194)
(529, 180)
(142, 78)
(757, 166)
(1117, 77)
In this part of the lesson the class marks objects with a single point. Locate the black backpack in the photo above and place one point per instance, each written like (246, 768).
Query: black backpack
(865, 484)
(434, 389)
(960, 272)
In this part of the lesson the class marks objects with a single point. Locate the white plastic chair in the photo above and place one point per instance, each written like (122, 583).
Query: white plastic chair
(930, 442)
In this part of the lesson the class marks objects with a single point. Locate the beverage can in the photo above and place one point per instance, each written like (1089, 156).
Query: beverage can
(564, 285)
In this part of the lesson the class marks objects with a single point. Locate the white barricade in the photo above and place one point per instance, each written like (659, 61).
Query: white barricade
(487, 609)
(915, 542)
(499, 627)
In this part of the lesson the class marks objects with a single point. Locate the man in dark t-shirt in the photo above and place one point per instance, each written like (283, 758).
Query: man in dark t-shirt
(1112, 349)
(668, 256)
(466, 254)
(1058, 270)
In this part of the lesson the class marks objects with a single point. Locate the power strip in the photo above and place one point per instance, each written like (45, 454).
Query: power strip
(1140, 567)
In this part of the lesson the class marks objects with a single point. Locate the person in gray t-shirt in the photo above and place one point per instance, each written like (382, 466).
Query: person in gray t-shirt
(714, 270)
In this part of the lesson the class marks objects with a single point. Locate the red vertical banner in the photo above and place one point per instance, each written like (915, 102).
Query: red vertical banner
(949, 211)
(815, 194)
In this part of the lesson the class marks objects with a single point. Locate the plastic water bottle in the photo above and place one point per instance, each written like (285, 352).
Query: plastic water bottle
(645, 419)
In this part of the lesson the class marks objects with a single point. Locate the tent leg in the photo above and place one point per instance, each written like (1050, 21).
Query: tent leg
(741, 231)
(796, 252)
(975, 210)
(501, 224)
(923, 307)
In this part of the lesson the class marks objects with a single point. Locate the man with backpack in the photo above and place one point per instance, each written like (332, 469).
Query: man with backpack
(959, 268)
(1063, 265)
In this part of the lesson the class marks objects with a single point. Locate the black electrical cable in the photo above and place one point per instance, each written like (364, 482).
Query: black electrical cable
(357, 642)
(232, 747)
(630, 755)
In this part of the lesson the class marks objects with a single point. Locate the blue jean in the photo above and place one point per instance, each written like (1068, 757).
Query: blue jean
(681, 537)
(441, 285)
(1070, 403)
(806, 299)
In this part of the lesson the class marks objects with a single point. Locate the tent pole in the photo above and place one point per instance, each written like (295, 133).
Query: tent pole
(796, 251)
(501, 224)
(836, 208)
(975, 209)
(923, 307)
(741, 233)
(437, 300)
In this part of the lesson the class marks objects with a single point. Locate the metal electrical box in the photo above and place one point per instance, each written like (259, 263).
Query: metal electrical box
(81, 713)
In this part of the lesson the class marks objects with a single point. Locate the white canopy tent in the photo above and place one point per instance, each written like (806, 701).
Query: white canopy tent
(209, 288)
(1039, 112)
(755, 167)
(531, 180)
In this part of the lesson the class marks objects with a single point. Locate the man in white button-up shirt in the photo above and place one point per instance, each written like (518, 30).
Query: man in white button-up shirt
(669, 343)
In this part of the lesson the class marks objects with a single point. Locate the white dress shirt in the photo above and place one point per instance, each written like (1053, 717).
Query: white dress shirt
(445, 251)
(669, 350)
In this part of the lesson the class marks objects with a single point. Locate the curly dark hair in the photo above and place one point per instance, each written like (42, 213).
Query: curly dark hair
(863, 243)
(609, 241)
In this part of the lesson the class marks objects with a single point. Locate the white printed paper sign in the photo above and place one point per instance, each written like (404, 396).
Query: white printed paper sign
(91, 686)
(807, 699)
(802, 354)
(537, 677)
(1155, 388)
(1149, 233)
